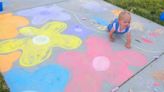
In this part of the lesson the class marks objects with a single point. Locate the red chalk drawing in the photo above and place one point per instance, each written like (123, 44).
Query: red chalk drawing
(147, 41)
(154, 34)
(156, 84)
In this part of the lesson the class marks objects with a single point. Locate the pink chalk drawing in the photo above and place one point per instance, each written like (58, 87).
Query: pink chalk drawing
(154, 34)
(147, 41)
(99, 64)
(156, 84)
(150, 37)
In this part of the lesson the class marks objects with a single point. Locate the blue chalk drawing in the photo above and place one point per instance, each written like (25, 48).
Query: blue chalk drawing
(100, 21)
(51, 78)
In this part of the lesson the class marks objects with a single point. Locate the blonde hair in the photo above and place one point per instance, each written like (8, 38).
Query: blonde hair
(123, 14)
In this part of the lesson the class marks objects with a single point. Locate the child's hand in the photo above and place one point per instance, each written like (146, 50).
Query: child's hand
(127, 45)
(111, 39)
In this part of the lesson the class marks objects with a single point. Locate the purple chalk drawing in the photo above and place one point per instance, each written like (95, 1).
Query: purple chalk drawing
(79, 31)
(94, 6)
(41, 15)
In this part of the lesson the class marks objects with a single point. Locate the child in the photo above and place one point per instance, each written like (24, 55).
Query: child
(121, 26)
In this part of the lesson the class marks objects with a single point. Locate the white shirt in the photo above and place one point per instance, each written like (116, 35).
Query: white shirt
(114, 27)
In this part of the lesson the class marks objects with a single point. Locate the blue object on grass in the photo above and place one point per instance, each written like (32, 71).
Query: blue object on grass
(1, 6)
(162, 16)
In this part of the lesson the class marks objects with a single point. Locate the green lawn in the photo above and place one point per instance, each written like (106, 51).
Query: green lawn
(149, 9)
(3, 87)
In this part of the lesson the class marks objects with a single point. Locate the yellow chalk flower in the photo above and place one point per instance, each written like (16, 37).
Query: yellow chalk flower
(37, 44)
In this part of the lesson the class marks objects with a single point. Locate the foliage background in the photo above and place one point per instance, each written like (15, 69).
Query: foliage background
(3, 87)
(150, 9)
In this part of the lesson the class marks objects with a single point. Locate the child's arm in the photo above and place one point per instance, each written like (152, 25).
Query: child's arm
(128, 38)
(111, 34)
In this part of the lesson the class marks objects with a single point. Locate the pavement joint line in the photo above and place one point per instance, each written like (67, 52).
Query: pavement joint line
(39, 5)
(152, 61)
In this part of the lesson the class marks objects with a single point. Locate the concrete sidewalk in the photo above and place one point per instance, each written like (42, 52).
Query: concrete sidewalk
(63, 46)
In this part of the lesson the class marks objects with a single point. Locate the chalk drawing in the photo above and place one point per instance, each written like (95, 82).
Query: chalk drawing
(41, 15)
(9, 24)
(100, 21)
(159, 75)
(154, 34)
(49, 78)
(99, 62)
(159, 31)
(6, 61)
(78, 30)
(37, 44)
(147, 40)
(116, 12)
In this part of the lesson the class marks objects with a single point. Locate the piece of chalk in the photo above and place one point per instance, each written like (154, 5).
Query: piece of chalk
(130, 90)
(115, 89)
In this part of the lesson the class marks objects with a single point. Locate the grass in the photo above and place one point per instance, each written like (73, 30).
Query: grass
(3, 86)
(149, 9)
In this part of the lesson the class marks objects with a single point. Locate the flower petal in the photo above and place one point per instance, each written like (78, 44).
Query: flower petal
(55, 27)
(29, 31)
(32, 55)
(6, 61)
(49, 78)
(9, 25)
(38, 20)
(69, 42)
(70, 59)
(132, 58)
(98, 46)
(11, 45)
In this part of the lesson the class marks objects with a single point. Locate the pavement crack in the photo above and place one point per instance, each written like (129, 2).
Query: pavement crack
(152, 61)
